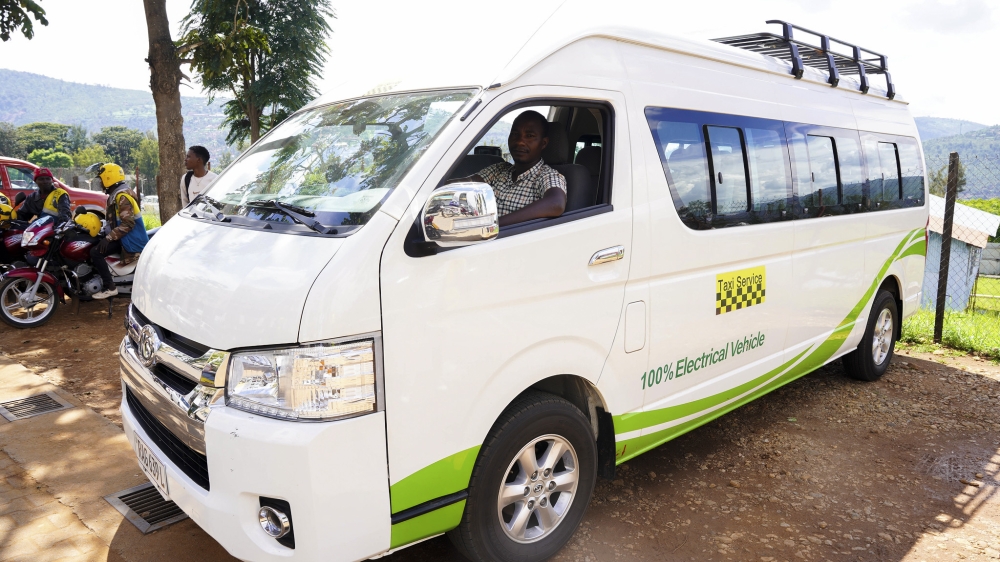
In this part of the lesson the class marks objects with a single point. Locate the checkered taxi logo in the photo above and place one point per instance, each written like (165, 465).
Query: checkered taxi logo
(739, 289)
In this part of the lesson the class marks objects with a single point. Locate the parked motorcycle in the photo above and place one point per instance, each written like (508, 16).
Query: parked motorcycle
(11, 230)
(29, 295)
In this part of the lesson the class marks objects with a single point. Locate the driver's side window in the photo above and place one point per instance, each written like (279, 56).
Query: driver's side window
(21, 178)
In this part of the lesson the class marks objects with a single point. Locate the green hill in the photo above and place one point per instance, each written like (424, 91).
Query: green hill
(27, 98)
(937, 127)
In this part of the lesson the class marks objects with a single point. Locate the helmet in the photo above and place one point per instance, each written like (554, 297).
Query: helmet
(6, 212)
(90, 222)
(4, 200)
(109, 173)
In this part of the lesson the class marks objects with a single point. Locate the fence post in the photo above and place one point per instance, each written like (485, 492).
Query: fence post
(949, 215)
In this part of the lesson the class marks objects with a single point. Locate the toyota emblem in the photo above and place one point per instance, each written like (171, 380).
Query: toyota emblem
(149, 344)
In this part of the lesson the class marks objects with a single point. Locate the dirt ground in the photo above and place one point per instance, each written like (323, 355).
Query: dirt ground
(825, 468)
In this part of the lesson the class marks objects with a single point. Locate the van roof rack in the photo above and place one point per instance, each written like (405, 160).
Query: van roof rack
(861, 62)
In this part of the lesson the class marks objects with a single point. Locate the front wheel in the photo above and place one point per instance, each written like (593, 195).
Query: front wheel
(531, 483)
(20, 310)
(871, 359)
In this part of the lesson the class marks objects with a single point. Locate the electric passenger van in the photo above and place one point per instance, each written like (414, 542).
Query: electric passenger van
(333, 353)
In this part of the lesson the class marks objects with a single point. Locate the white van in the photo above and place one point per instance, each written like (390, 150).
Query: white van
(334, 354)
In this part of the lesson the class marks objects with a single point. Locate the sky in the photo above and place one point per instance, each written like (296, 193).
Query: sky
(936, 48)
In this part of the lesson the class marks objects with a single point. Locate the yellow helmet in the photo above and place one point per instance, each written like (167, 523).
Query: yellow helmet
(109, 173)
(6, 211)
(4, 200)
(90, 222)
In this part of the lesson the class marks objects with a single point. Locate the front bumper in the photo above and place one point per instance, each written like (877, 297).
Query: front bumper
(334, 476)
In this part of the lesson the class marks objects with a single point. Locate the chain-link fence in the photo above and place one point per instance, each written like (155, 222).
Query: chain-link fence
(972, 251)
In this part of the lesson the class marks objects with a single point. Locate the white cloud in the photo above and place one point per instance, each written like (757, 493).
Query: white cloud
(951, 17)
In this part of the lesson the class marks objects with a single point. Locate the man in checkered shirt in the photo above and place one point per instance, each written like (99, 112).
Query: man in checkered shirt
(529, 188)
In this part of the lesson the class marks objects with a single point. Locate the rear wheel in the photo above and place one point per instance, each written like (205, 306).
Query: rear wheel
(871, 359)
(21, 311)
(531, 483)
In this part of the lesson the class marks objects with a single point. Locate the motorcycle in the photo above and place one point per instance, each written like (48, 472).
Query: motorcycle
(12, 254)
(29, 295)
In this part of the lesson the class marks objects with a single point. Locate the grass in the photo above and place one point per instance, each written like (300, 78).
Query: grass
(989, 286)
(150, 220)
(972, 332)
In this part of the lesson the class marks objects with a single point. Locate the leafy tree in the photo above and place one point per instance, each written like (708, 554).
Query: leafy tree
(939, 180)
(16, 14)
(76, 138)
(10, 141)
(42, 135)
(264, 52)
(90, 155)
(147, 156)
(50, 158)
(225, 160)
(119, 142)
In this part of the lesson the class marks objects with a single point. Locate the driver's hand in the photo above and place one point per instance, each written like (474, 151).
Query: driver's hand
(102, 246)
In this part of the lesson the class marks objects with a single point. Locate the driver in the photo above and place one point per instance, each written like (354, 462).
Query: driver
(530, 188)
(126, 232)
(47, 200)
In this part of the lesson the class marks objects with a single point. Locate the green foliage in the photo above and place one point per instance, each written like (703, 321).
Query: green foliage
(90, 155)
(16, 14)
(150, 219)
(76, 138)
(939, 179)
(991, 206)
(10, 141)
(119, 142)
(981, 141)
(966, 331)
(264, 52)
(224, 161)
(42, 135)
(50, 158)
(147, 157)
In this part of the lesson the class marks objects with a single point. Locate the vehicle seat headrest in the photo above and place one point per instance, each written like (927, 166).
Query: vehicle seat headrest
(557, 152)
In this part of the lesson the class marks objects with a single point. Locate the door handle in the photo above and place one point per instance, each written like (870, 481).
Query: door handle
(606, 255)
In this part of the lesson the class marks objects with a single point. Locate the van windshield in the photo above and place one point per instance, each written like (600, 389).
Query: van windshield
(329, 169)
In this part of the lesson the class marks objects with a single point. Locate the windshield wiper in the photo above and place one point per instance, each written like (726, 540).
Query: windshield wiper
(216, 206)
(300, 215)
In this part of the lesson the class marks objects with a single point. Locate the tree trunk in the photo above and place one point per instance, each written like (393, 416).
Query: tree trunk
(164, 80)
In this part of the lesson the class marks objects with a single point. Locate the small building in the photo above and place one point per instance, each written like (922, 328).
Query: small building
(971, 230)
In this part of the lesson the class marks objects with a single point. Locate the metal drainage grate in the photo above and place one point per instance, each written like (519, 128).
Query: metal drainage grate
(146, 508)
(38, 404)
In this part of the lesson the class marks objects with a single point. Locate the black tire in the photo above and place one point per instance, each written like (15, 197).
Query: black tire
(482, 535)
(22, 317)
(862, 363)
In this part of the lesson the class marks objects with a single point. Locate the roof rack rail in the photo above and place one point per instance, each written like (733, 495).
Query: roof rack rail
(861, 62)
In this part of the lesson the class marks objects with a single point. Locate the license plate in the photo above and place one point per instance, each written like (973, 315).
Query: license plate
(152, 467)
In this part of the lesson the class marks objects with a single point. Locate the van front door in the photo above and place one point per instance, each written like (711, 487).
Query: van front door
(468, 329)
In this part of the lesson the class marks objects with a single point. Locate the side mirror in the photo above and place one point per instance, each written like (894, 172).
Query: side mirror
(460, 214)
(19, 198)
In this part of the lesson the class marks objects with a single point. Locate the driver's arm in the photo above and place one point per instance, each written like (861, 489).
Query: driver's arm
(27, 210)
(65, 214)
(126, 219)
(552, 204)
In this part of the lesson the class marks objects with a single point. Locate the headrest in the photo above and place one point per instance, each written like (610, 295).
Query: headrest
(557, 152)
(590, 157)
(491, 150)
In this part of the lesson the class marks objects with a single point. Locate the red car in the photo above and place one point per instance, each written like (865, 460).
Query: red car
(18, 176)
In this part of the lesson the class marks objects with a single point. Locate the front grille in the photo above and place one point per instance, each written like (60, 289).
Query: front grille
(180, 343)
(173, 379)
(191, 463)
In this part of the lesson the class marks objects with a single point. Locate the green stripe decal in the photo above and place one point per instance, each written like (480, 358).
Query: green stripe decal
(427, 525)
(814, 357)
(446, 476)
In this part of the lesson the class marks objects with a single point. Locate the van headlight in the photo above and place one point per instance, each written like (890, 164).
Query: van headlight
(315, 382)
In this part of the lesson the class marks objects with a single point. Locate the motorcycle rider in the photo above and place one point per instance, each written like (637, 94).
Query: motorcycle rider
(125, 231)
(48, 200)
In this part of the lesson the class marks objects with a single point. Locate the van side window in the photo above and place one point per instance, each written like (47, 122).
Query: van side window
(768, 171)
(883, 174)
(913, 173)
(729, 173)
(852, 173)
(823, 185)
(890, 171)
(682, 153)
